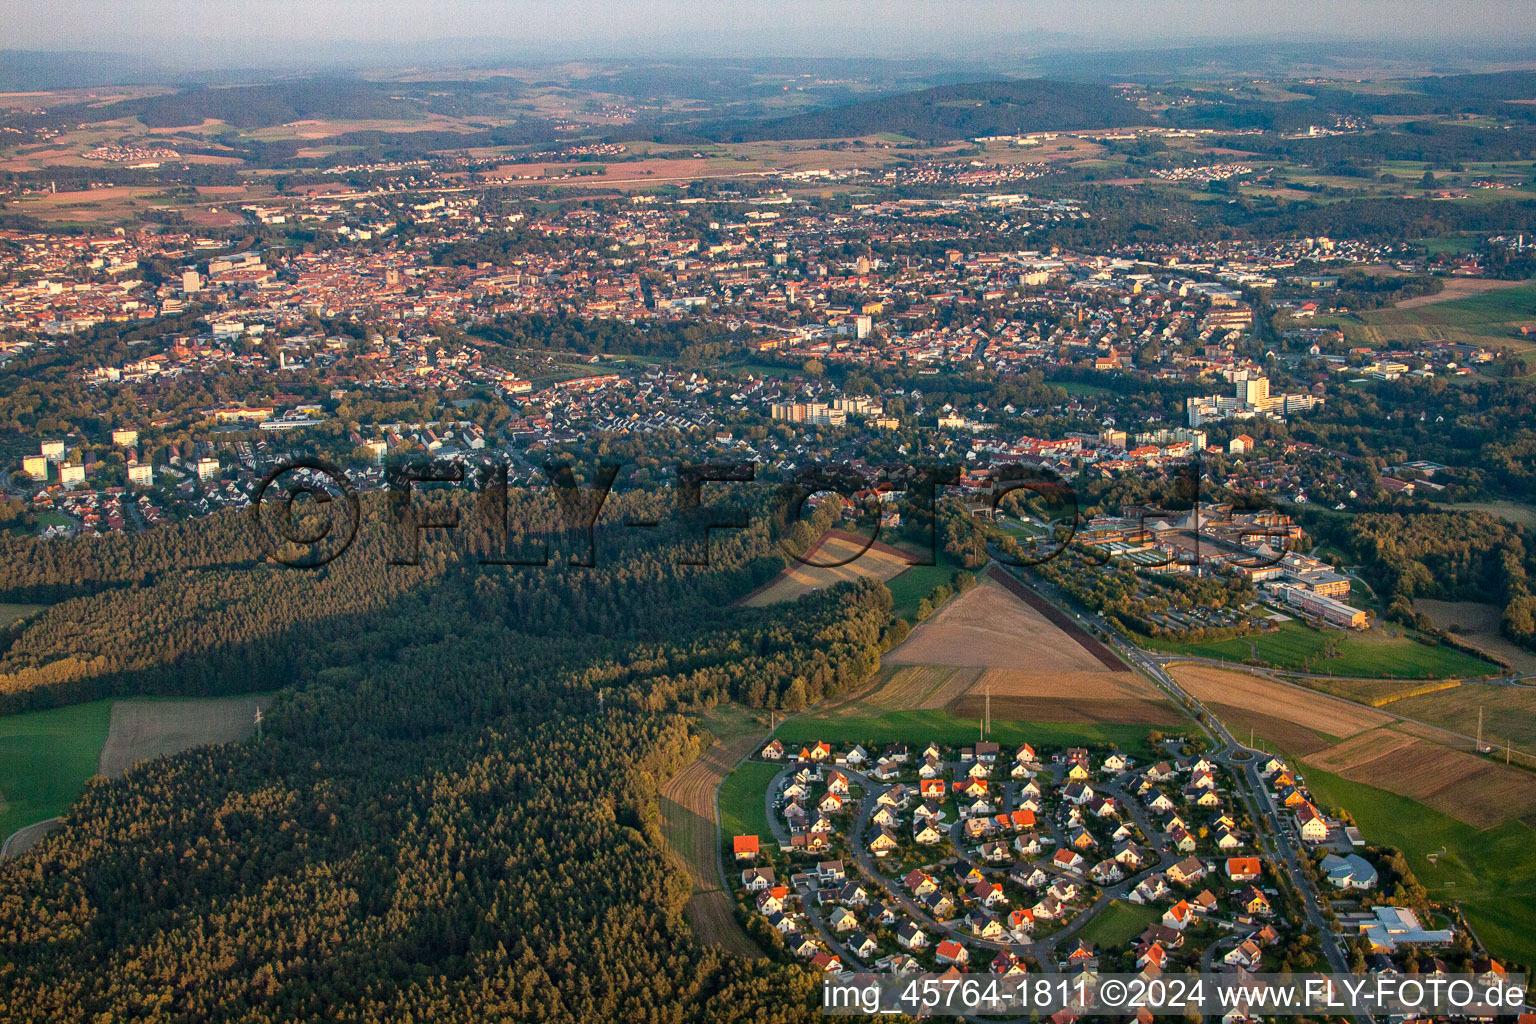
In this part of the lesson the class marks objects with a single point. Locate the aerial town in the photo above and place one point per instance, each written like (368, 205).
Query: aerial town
(495, 532)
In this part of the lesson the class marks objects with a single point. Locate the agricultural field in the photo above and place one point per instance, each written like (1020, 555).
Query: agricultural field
(47, 756)
(1509, 712)
(1292, 716)
(906, 687)
(880, 561)
(1375, 653)
(986, 627)
(1458, 288)
(988, 642)
(1378, 693)
(688, 821)
(1491, 872)
(1489, 318)
(45, 759)
(1513, 511)
(1477, 623)
(1473, 789)
(145, 728)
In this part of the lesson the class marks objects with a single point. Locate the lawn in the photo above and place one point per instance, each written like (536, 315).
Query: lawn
(45, 758)
(741, 800)
(1374, 654)
(1491, 873)
(1118, 924)
(921, 727)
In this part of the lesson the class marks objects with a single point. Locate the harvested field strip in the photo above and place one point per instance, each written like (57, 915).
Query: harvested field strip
(1307, 708)
(959, 681)
(1465, 786)
(909, 686)
(1094, 685)
(985, 627)
(690, 825)
(1509, 713)
(142, 729)
(835, 558)
(1268, 730)
(1360, 749)
(1060, 619)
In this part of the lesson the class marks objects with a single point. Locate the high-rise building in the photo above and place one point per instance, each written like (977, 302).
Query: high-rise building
(141, 474)
(191, 282)
(1254, 391)
(125, 438)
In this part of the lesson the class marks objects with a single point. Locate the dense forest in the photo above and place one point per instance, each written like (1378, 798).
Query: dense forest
(951, 112)
(1453, 556)
(451, 814)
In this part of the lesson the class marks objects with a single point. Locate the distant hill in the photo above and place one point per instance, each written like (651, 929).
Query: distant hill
(951, 112)
(27, 70)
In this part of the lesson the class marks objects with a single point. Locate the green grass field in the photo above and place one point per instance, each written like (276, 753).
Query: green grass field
(10, 613)
(1080, 389)
(1118, 925)
(1496, 307)
(1442, 244)
(741, 800)
(914, 584)
(1299, 648)
(921, 727)
(45, 758)
(1491, 873)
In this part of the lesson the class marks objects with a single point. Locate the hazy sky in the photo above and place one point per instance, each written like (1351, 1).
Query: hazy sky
(263, 29)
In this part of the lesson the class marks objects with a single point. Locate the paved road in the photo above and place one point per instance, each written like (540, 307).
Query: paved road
(26, 837)
(1250, 786)
(1160, 658)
